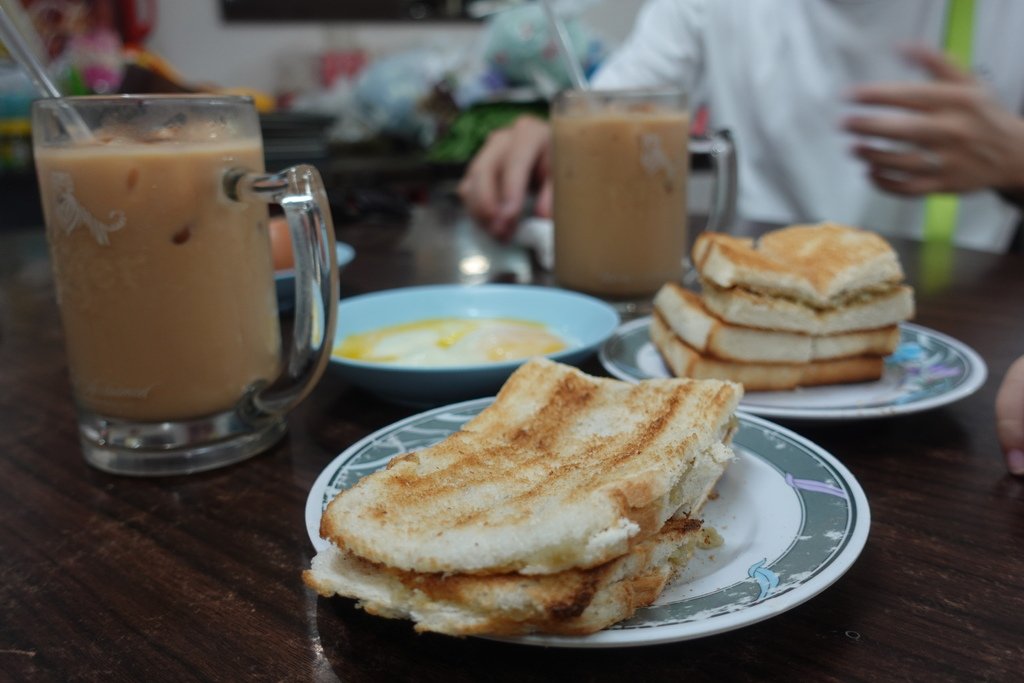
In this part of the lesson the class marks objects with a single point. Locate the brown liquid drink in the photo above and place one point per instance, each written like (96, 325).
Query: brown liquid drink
(165, 286)
(156, 218)
(620, 172)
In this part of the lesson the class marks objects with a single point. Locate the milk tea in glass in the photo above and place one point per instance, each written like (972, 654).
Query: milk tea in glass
(620, 165)
(156, 218)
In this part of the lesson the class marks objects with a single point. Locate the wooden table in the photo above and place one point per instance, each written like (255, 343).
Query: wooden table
(198, 577)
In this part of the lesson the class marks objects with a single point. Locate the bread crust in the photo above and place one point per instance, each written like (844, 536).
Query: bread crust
(685, 314)
(685, 361)
(821, 265)
(750, 309)
(572, 602)
(562, 471)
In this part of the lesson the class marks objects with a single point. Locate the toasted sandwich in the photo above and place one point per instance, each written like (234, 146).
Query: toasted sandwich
(684, 361)
(563, 470)
(814, 279)
(562, 507)
(570, 602)
(873, 311)
(825, 265)
(685, 314)
(801, 306)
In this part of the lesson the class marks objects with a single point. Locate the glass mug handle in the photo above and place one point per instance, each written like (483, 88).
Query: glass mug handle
(719, 146)
(723, 166)
(300, 192)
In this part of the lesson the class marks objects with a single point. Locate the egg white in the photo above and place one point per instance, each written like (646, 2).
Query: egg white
(451, 341)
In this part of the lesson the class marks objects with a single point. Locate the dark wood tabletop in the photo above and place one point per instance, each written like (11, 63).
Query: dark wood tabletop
(198, 577)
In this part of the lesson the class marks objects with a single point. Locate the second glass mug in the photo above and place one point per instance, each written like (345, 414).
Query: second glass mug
(156, 217)
(620, 167)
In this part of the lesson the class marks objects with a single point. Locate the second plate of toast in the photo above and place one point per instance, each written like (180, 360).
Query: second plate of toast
(928, 369)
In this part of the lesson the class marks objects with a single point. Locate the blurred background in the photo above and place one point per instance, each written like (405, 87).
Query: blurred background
(388, 98)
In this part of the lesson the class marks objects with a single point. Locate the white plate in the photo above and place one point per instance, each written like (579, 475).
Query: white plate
(583, 322)
(793, 519)
(928, 369)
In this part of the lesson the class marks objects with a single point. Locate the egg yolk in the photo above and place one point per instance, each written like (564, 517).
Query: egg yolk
(451, 341)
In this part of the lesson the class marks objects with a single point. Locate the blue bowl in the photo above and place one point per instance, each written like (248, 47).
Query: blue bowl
(583, 322)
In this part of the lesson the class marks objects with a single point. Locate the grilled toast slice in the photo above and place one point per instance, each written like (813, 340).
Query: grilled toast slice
(823, 266)
(872, 311)
(562, 471)
(571, 602)
(684, 361)
(684, 312)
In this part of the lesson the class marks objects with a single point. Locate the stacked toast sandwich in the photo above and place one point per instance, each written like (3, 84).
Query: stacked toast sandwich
(562, 507)
(801, 306)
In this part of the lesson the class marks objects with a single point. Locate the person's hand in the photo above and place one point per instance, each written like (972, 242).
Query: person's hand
(1010, 417)
(954, 136)
(496, 182)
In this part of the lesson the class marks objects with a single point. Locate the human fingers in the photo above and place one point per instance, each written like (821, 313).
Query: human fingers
(480, 185)
(911, 128)
(1010, 417)
(909, 172)
(545, 199)
(906, 184)
(946, 88)
(902, 160)
(917, 97)
(525, 159)
(544, 205)
(937, 64)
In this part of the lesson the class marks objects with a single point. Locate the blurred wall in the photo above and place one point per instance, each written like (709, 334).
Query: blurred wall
(277, 57)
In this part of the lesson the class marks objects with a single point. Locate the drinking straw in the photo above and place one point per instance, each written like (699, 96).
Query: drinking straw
(579, 81)
(26, 58)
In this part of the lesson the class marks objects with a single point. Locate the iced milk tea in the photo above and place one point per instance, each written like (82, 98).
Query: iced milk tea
(165, 287)
(620, 178)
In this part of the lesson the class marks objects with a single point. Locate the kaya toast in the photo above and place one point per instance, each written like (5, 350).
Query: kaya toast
(685, 314)
(573, 600)
(684, 361)
(562, 471)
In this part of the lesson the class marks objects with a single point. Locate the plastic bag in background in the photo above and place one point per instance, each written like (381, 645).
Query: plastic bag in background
(520, 46)
(391, 93)
(389, 98)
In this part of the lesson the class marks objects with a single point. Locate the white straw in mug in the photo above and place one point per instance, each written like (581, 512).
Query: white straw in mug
(579, 81)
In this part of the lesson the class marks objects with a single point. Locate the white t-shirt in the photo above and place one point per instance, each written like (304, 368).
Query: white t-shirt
(775, 73)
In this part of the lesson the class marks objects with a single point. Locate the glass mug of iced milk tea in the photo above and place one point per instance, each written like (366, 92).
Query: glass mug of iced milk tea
(620, 168)
(156, 218)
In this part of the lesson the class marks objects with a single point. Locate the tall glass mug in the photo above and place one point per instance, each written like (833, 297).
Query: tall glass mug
(620, 168)
(156, 217)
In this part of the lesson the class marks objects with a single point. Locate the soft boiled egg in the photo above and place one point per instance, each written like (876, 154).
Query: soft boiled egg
(451, 341)
(280, 243)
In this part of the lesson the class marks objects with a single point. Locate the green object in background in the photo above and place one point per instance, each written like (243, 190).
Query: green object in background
(74, 84)
(15, 145)
(940, 210)
(471, 127)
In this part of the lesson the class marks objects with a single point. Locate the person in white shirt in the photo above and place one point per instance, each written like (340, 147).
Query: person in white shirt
(809, 90)
(842, 110)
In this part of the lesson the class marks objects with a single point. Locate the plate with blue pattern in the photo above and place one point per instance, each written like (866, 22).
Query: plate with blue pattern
(928, 369)
(791, 517)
